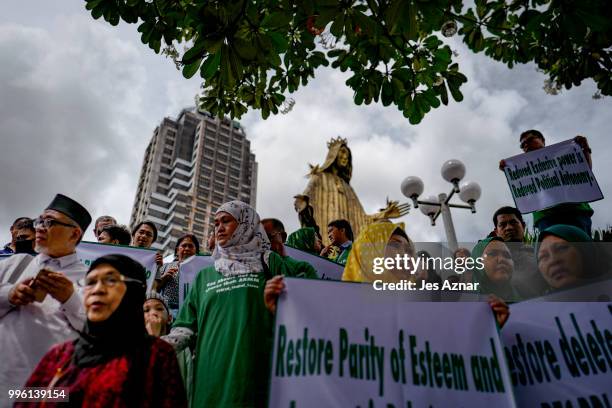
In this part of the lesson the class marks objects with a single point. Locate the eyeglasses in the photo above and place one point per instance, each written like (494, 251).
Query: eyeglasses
(109, 281)
(498, 252)
(47, 223)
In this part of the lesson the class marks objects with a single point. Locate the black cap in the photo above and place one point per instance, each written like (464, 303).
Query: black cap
(71, 209)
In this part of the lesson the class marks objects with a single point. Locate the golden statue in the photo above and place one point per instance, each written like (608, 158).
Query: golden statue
(332, 197)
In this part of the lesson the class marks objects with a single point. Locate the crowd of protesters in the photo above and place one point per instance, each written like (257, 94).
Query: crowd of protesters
(97, 331)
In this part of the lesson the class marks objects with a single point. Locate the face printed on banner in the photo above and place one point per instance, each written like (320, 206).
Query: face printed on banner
(498, 262)
(225, 225)
(560, 262)
(103, 290)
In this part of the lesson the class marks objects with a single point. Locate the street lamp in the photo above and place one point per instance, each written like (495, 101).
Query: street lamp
(452, 171)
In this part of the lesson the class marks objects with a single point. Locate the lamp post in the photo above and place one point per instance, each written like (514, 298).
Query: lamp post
(432, 206)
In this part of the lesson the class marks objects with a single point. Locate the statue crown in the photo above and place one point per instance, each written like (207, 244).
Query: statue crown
(335, 141)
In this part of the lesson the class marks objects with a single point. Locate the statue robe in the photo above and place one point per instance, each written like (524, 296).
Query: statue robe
(333, 198)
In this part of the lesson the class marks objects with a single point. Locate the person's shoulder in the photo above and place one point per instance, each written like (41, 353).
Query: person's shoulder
(8, 262)
(299, 268)
(206, 274)
(62, 349)
(161, 346)
(275, 258)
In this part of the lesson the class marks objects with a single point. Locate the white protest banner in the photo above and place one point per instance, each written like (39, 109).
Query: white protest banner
(599, 291)
(560, 354)
(90, 251)
(339, 344)
(549, 176)
(325, 268)
(188, 270)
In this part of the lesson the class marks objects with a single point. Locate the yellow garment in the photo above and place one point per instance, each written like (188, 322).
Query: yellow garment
(370, 244)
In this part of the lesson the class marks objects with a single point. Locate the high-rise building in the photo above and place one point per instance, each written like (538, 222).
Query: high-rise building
(191, 166)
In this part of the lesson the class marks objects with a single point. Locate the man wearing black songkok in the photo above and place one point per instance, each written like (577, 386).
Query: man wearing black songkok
(39, 305)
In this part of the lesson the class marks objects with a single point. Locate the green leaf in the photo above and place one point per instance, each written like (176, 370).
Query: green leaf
(213, 45)
(194, 53)
(191, 69)
(244, 49)
(386, 94)
(453, 87)
(279, 42)
(415, 115)
(91, 4)
(337, 27)
(210, 66)
(358, 97)
(595, 22)
(431, 98)
(276, 20)
(227, 73)
(443, 93)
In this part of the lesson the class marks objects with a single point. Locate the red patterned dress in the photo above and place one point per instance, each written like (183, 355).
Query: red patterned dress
(102, 385)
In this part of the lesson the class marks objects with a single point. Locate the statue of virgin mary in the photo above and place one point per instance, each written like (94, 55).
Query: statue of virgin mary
(332, 196)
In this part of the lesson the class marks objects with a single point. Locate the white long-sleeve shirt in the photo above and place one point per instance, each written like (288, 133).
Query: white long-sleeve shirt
(27, 332)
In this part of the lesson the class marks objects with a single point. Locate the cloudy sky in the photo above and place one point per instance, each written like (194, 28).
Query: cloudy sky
(79, 100)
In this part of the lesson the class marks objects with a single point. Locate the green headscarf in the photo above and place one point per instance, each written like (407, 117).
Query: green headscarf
(302, 239)
(568, 233)
(504, 290)
(587, 249)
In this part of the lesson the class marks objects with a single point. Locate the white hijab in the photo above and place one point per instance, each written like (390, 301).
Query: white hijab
(243, 252)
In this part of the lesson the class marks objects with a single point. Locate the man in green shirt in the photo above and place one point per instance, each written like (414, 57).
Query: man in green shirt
(277, 235)
(577, 214)
(340, 236)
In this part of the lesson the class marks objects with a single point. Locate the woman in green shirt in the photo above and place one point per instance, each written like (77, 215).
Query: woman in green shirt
(224, 314)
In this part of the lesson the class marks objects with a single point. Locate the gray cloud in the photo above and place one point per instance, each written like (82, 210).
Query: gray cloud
(80, 100)
(67, 115)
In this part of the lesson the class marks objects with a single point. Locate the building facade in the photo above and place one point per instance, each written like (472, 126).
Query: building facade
(191, 166)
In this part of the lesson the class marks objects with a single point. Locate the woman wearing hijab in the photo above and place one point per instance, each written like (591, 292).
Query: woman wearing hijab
(494, 278)
(378, 240)
(167, 278)
(114, 362)
(567, 257)
(225, 316)
(305, 239)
